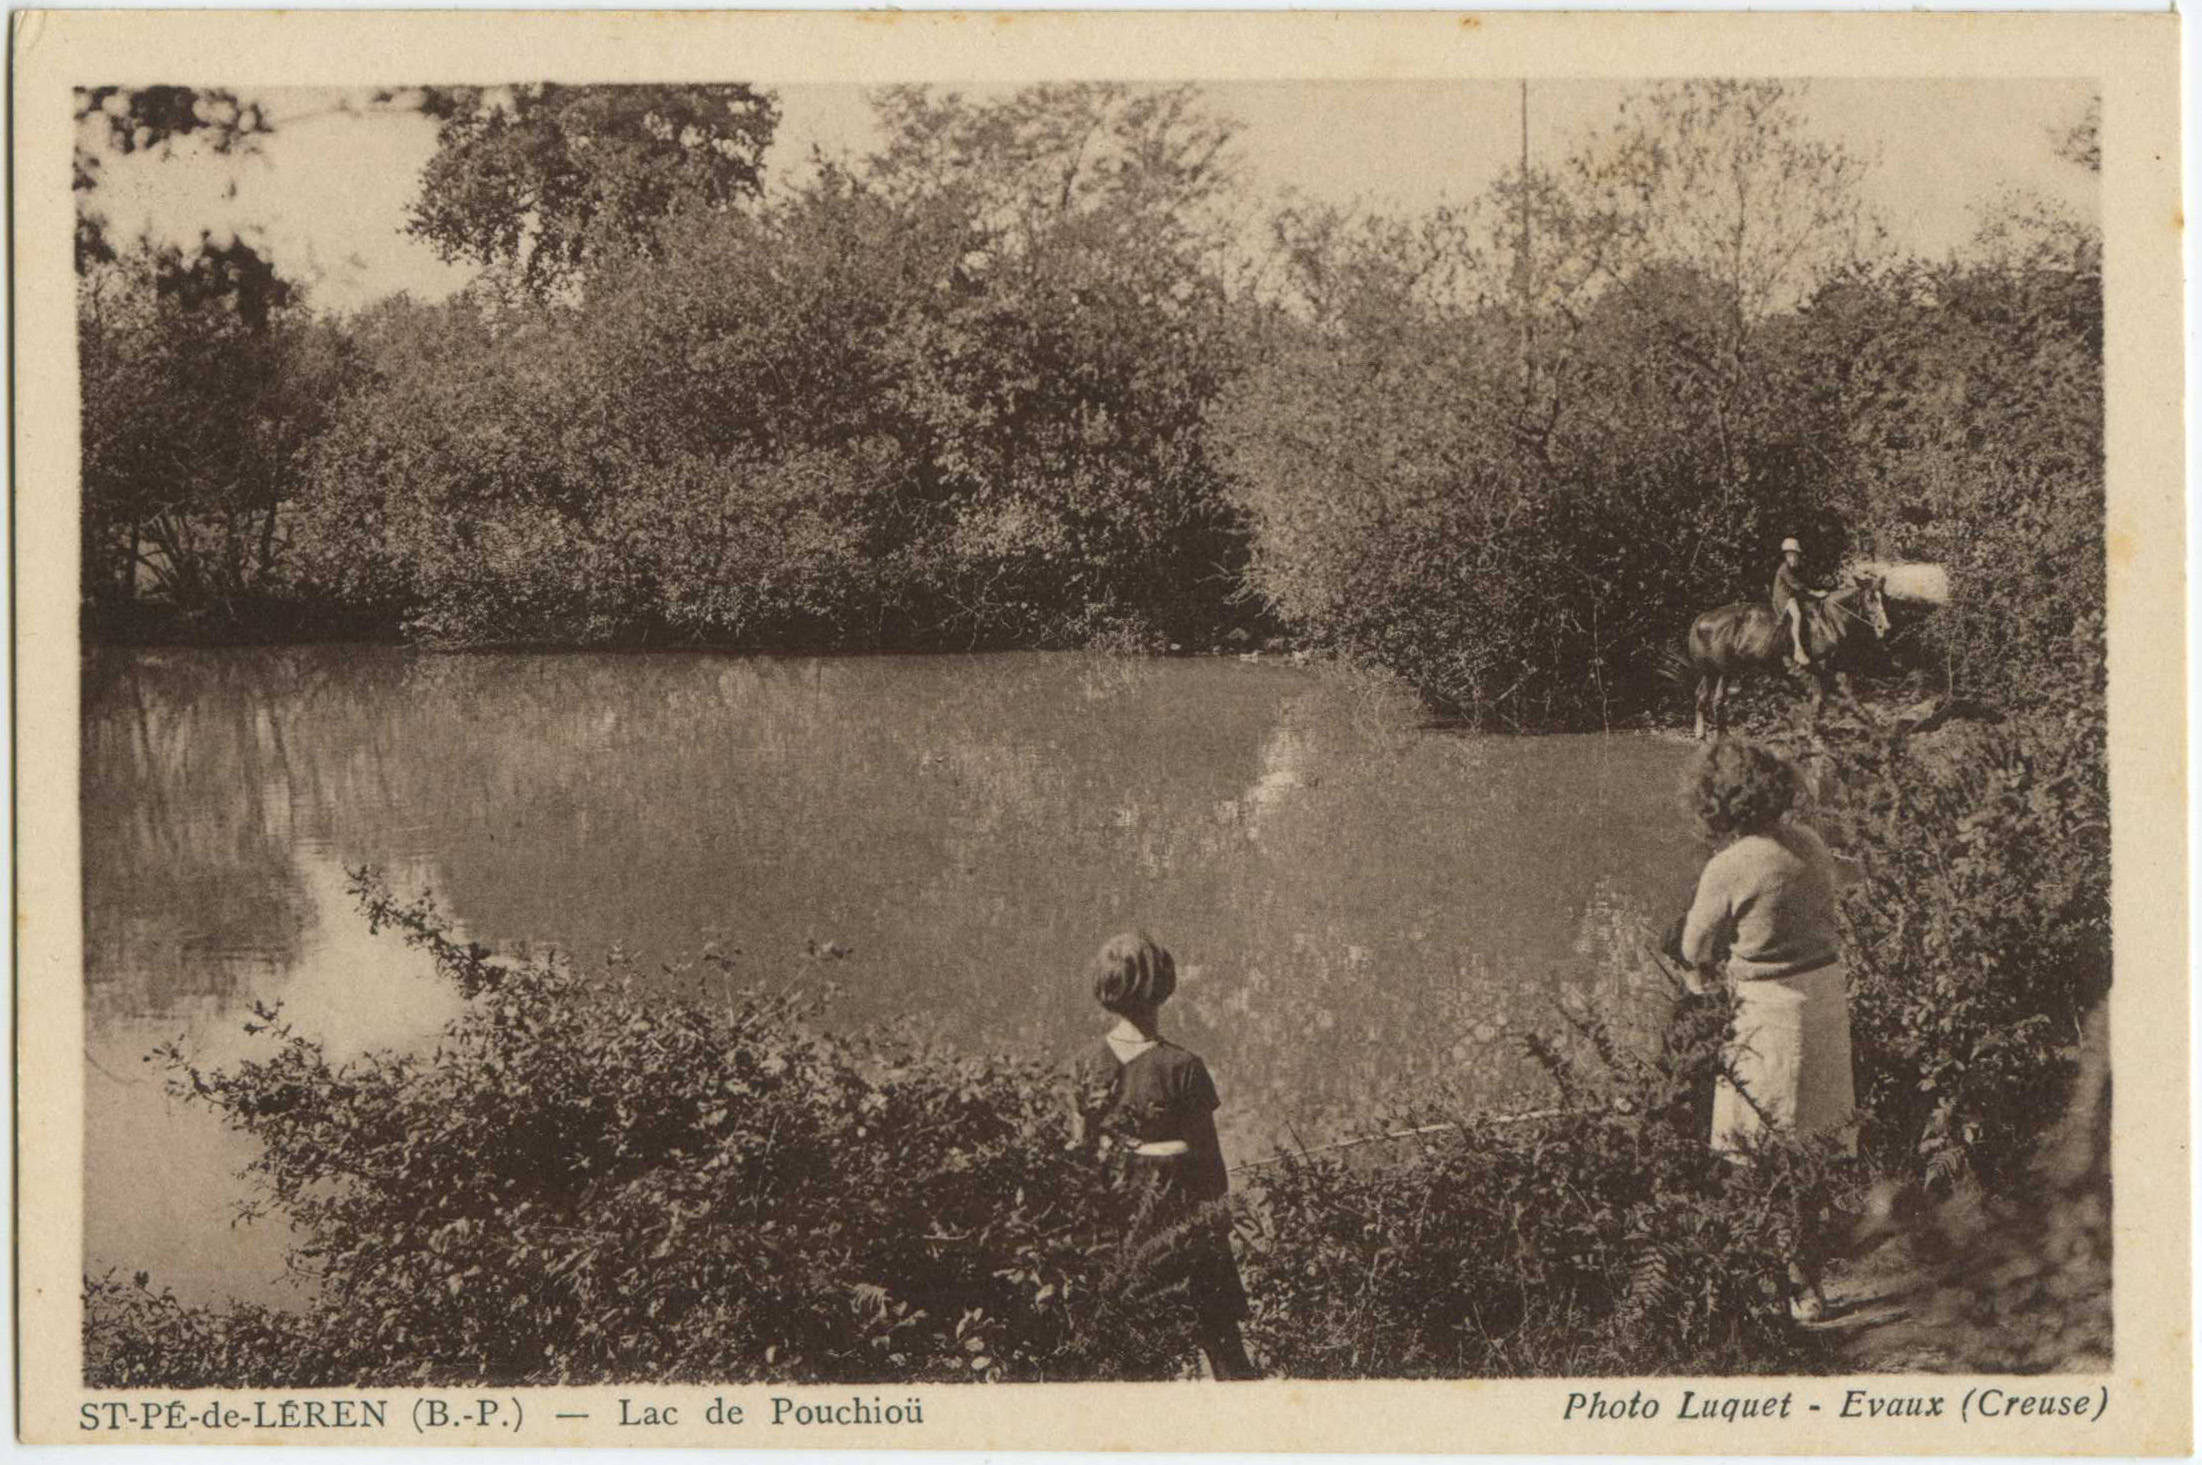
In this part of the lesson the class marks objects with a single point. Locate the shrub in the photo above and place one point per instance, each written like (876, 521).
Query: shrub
(863, 413)
(593, 1178)
(1525, 567)
(1979, 931)
(590, 1180)
(1605, 1238)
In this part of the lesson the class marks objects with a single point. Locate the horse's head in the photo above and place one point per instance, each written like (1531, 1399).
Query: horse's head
(1873, 605)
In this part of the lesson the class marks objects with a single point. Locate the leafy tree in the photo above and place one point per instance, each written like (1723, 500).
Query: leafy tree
(1516, 478)
(1724, 176)
(954, 394)
(1059, 376)
(543, 179)
(2081, 142)
(140, 119)
(201, 399)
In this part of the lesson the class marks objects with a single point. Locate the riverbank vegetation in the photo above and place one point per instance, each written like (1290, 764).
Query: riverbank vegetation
(1041, 370)
(591, 1179)
(1021, 379)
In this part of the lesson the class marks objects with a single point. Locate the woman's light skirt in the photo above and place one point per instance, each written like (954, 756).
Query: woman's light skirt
(1791, 1054)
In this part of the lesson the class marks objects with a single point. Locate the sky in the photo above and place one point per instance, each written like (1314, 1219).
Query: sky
(325, 197)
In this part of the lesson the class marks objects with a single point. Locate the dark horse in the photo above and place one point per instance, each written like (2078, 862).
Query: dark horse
(1735, 639)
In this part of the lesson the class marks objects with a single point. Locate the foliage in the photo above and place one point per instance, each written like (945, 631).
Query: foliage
(1013, 380)
(1515, 478)
(1970, 398)
(1979, 933)
(139, 119)
(588, 1179)
(2024, 1285)
(2081, 143)
(1059, 383)
(200, 404)
(1606, 1239)
(545, 179)
(950, 397)
(625, 1175)
(459, 480)
(1724, 177)
(1526, 560)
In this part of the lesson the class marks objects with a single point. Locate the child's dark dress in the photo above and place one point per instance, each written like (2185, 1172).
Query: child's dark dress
(1165, 1094)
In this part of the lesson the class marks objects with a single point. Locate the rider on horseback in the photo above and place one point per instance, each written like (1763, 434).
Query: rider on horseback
(1789, 595)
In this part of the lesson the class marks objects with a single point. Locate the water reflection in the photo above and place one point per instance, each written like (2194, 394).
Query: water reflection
(1359, 905)
(158, 1171)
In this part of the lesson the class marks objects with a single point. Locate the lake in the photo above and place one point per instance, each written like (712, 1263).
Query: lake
(1364, 906)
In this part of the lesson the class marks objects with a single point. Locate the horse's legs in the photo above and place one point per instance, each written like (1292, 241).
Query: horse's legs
(1850, 695)
(1704, 702)
(1720, 704)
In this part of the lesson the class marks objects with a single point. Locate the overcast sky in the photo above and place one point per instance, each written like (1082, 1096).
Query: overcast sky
(325, 197)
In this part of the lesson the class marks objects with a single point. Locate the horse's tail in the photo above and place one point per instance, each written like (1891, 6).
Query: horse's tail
(1679, 665)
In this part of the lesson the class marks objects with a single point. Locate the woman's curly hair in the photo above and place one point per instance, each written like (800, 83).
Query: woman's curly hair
(1737, 788)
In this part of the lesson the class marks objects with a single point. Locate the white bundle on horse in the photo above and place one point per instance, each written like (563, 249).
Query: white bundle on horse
(1927, 584)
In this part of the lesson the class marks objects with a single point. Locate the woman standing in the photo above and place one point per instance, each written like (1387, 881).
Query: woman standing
(1765, 908)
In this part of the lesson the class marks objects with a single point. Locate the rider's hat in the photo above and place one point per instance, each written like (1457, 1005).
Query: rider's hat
(1791, 544)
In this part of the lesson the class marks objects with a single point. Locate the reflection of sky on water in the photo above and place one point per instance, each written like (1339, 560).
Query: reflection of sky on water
(157, 1170)
(1360, 907)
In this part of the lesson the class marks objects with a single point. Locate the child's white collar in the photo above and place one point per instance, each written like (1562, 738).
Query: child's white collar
(1128, 1042)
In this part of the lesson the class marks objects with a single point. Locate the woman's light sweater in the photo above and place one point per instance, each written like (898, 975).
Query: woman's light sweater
(1766, 903)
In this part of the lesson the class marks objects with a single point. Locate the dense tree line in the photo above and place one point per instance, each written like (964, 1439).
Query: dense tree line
(1030, 375)
(953, 397)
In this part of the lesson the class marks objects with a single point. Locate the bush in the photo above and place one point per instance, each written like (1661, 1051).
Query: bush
(591, 1178)
(1607, 1239)
(1979, 934)
(864, 413)
(1526, 564)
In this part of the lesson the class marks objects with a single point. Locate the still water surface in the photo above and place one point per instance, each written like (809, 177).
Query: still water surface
(1362, 905)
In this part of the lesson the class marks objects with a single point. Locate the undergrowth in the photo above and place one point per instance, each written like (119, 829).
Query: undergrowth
(589, 1180)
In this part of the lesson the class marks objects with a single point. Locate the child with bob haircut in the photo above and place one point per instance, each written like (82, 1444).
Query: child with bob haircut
(1153, 1102)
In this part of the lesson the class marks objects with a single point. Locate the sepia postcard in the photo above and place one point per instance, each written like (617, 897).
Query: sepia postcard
(1169, 732)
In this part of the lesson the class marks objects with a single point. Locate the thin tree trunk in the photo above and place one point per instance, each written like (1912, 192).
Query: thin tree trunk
(267, 546)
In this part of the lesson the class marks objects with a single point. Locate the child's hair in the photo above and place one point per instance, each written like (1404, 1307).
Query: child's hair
(1133, 971)
(1738, 788)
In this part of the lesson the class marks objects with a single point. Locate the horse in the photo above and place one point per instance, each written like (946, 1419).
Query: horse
(1726, 643)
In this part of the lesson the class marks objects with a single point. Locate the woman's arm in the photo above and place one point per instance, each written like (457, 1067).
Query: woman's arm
(1706, 929)
(1841, 872)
